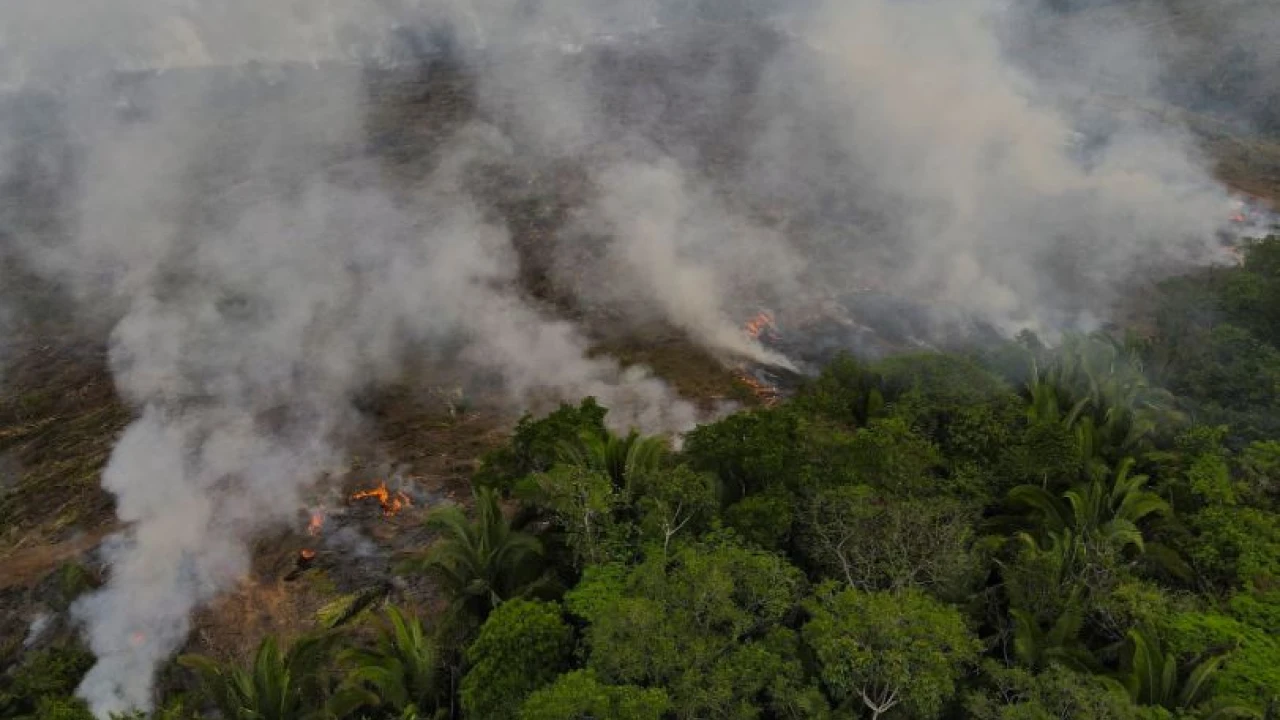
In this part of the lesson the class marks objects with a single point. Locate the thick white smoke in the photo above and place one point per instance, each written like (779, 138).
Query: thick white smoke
(258, 268)
(992, 193)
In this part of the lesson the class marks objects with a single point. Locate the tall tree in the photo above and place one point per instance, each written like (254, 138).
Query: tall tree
(521, 647)
(888, 650)
(704, 621)
(579, 695)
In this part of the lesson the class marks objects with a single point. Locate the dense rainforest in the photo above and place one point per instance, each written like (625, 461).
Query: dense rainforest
(1017, 532)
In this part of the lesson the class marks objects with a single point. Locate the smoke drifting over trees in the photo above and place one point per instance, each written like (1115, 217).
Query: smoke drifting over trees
(254, 266)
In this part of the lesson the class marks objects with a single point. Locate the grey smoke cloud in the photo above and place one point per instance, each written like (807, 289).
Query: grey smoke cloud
(965, 166)
(258, 269)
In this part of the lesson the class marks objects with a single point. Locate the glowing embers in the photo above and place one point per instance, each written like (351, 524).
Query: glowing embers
(392, 502)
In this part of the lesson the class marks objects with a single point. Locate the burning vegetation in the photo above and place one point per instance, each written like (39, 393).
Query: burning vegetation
(761, 328)
(315, 524)
(391, 502)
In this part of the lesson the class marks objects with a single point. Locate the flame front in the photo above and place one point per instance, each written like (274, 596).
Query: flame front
(316, 523)
(391, 502)
(757, 325)
(767, 394)
(755, 328)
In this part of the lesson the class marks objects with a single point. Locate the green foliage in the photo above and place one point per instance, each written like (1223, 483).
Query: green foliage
(1103, 512)
(623, 460)
(846, 392)
(279, 684)
(49, 676)
(1232, 363)
(480, 563)
(1259, 609)
(1249, 671)
(776, 450)
(1059, 643)
(874, 541)
(675, 503)
(1260, 468)
(765, 520)
(1218, 344)
(401, 673)
(1096, 386)
(889, 455)
(536, 444)
(521, 647)
(1153, 677)
(886, 650)
(579, 695)
(56, 708)
(582, 501)
(1236, 546)
(955, 403)
(1056, 693)
(1047, 454)
(696, 622)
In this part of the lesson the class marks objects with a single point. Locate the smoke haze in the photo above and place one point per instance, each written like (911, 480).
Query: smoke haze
(253, 266)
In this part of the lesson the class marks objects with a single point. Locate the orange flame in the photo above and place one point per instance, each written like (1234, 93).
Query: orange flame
(391, 502)
(306, 554)
(768, 395)
(758, 324)
(316, 523)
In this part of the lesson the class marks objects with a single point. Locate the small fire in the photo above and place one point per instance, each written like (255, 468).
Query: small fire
(760, 324)
(137, 639)
(391, 502)
(316, 523)
(768, 395)
(306, 554)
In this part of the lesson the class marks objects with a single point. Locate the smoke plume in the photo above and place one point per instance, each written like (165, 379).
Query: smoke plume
(209, 194)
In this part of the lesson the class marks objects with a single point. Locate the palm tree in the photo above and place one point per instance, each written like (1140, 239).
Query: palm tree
(279, 685)
(1096, 379)
(1037, 647)
(483, 562)
(1152, 677)
(403, 670)
(623, 459)
(1098, 510)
